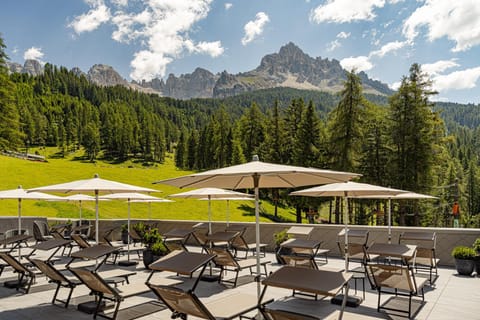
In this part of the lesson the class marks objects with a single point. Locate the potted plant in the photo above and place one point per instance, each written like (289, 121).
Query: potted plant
(476, 247)
(464, 259)
(279, 238)
(124, 233)
(154, 247)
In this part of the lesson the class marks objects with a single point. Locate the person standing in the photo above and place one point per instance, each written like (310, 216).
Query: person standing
(456, 214)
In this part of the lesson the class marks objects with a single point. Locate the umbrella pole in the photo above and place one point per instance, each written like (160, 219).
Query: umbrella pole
(345, 220)
(80, 220)
(389, 220)
(96, 217)
(256, 183)
(228, 213)
(209, 215)
(19, 225)
(128, 232)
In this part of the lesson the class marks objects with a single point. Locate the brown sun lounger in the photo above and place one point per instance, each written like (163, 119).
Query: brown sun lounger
(186, 303)
(25, 275)
(102, 290)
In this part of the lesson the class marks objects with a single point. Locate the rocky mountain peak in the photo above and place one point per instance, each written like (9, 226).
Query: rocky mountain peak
(104, 75)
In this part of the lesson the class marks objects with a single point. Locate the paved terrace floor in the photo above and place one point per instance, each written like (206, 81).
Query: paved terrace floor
(451, 297)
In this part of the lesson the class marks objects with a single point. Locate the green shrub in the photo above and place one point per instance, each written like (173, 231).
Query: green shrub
(462, 252)
(280, 237)
(158, 248)
(476, 245)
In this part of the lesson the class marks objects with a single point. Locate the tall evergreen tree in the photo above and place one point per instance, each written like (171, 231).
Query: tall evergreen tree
(307, 143)
(274, 144)
(293, 118)
(252, 130)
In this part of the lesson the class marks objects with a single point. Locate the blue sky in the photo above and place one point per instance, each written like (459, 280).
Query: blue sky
(145, 39)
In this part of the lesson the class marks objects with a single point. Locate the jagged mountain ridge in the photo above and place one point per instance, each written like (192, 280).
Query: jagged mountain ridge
(290, 67)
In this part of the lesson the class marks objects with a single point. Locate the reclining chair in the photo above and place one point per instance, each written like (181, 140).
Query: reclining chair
(26, 277)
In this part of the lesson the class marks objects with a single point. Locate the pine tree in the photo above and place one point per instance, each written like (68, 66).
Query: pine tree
(293, 118)
(307, 143)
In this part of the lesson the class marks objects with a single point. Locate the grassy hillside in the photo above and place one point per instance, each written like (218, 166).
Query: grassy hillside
(31, 174)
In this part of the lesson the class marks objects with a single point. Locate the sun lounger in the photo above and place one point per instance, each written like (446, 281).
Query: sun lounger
(401, 279)
(26, 277)
(425, 258)
(184, 303)
(102, 290)
(239, 242)
(226, 262)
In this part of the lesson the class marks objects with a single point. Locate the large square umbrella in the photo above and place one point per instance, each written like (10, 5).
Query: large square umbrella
(95, 185)
(256, 175)
(129, 196)
(401, 196)
(209, 194)
(21, 194)
(347, 190)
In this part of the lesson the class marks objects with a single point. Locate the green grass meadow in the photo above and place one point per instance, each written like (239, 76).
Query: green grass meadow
(30, 174)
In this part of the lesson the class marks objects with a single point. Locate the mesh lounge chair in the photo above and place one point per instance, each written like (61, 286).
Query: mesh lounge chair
(425, 258)
(399, 278)
(56, 277)
(239, 242)
(183, 304)
(40, 231)
(226, 262)
(102, 290)
(200, 232)
(26, 277)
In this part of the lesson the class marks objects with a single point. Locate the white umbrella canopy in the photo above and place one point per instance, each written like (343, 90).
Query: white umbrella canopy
(79, 197)
(256, 175)
(347, 190)
(95, 185)
(401, 196)
(210, 194)
(128, 196)
(21, 194)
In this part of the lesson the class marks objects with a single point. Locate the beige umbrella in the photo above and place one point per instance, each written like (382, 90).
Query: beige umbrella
(128, 196)
(21, 194)
(79, 197)
(256, 175)
(346, 190)
(95, 185)
(401, 196)
(210, 194)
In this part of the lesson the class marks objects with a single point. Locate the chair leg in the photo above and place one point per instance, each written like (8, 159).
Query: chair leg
(56, 292)
(69, 296)
(99, 303)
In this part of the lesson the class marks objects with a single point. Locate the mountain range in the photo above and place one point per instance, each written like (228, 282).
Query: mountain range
(290, 67)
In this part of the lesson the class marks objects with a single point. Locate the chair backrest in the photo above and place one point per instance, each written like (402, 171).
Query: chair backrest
(14, 232)
(223, 257)
(14, 263)
(286, 315)
(80, 241)
(200, 232)
(299, 232)
(40, 230)
(49, 271)
(181, 302)
(94, 282)
(357, 244)
(425, 242)
(393, 276)
(239, 241)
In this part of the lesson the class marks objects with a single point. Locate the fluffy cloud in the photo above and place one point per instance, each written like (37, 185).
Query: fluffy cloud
(456, 20)
(254, 28)
(228, 5)
(391, 46)
(159, 27)
(361, 63)
(341, 11)
(91, 20)
(33, 53)
(438, 67)
(343, 35)
(336, 43)
(457, 80)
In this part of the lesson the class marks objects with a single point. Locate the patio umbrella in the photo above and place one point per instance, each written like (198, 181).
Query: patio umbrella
(257, 174)
(95, 185)
(79, 197)
(346, 190)
(406, 195)
(128, 196)
(21, 194)
(209, 194)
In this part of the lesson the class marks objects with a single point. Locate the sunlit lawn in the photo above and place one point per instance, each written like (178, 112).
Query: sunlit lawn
(31, 174)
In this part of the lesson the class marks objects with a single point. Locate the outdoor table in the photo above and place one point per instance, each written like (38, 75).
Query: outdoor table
(404, 252)
(177, 235)
(182, 262)
(93, 253)
(313, 281)
(303, 247)
(49, 245)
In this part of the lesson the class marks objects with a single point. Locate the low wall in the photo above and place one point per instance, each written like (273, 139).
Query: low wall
(7, 223)
(447, 238)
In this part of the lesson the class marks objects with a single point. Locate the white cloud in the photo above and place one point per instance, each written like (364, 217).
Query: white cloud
(438, 67)
(360, 63)
(343, 35)
(33, 53)
(391, 46)
(341, 11)
(457, 80)
(91, 20)
(120, 3)
(456, 20)
(395, 85)
(254, 28)
(213, 49)
(228, 5)
(333, 45)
